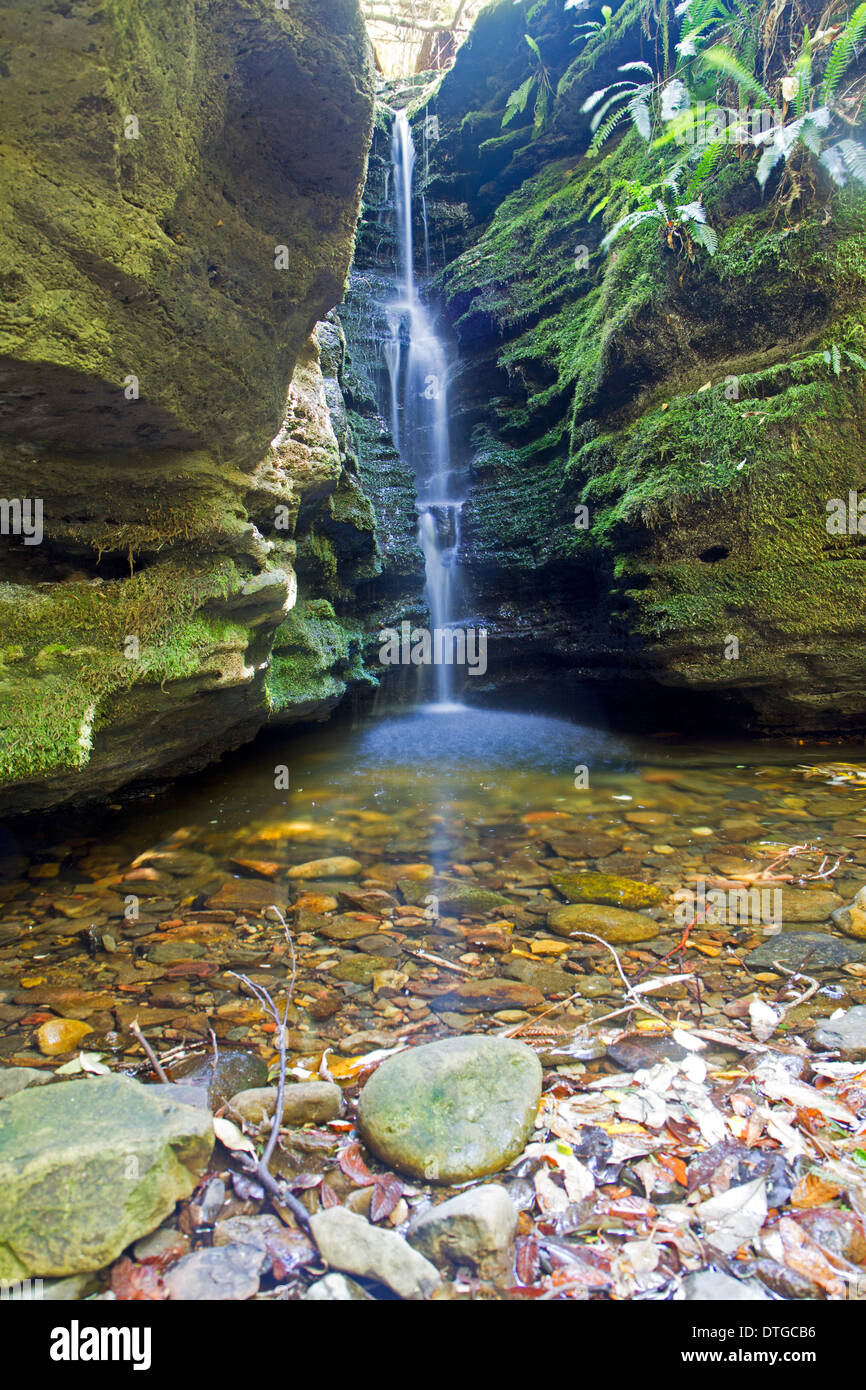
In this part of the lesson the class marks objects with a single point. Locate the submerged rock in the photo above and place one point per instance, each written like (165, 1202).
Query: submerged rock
(607, 888)
(304, 1102)
(612, 924)
(61, 1035)
(818, 950)
(487, 996)
(852, 919)
(15, 1079)
(87, 1167)
(476, 1228)
(348, 1242)
(845, 1034)
(235, 1071)
(452, 1110)
(340, 866)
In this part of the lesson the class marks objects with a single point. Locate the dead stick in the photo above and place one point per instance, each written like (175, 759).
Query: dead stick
(154, 1060)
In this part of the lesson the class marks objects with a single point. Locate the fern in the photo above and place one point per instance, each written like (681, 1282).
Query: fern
(845, 160)
(721, 59)
(517, 101)
(843, 52)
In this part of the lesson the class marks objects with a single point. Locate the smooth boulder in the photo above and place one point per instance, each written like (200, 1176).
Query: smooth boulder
(452, 1110)
(612, 924)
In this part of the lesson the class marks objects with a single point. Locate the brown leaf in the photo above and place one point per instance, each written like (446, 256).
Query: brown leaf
(387, 1192)
(328, 1196)
(136, 1283)
(527, 1259)
(353, 1165)
(812, 1191)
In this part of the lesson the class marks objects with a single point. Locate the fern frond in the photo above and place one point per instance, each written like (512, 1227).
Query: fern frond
(609, 126)
(721, 59)
(843, 52)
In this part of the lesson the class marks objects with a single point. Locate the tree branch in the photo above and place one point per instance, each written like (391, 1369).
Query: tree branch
(419, 26)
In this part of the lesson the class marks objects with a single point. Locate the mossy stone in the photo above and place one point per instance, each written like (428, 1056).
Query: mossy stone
(610, 923)
(606, 888)
(452, 1110)
(86, 1167)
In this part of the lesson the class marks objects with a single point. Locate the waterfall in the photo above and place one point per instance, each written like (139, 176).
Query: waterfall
(417, 368)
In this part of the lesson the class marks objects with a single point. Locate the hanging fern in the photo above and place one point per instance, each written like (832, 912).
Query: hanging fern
(721, 59)
(843, 52)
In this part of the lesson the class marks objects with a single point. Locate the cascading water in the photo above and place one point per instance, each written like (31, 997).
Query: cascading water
(417, 368)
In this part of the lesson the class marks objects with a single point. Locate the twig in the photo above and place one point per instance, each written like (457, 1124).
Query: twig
(262, 1170)
(440, 961)
(152, 1057)
(629, 988)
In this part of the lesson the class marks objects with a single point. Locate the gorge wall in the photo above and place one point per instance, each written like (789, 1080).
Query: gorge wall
(181, 184)
(691, 410)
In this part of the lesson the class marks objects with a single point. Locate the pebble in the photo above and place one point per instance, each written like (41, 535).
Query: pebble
(225, 1272)
(475, 1228)
(304, 1102)
(350, 1243)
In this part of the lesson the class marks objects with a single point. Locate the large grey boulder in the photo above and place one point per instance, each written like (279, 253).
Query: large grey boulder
(87, 1167)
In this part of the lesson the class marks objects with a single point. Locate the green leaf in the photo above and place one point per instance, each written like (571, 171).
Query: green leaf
(837, 359)
(541, 109)
(704, 236)
(721, 59)
(843, 51)
(533, 45)
(518, 99)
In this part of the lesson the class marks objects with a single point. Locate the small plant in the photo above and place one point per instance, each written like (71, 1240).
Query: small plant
(682, 225)
(537, 82)
(834, 355)
(628, 98)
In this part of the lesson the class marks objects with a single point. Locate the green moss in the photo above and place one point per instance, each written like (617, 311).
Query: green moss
(72, 641)
(315, 657)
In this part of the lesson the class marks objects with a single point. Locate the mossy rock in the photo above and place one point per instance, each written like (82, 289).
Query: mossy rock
(607, 888)
(453, 1110)
(86, 1167)
(612, 924)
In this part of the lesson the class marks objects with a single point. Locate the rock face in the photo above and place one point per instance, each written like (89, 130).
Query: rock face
(453, 1110)
(86, 1167)
(693, 415)
(180, 210)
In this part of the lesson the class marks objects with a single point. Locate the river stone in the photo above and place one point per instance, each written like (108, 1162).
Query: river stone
(847, 1033)
(475, 1228)
(304, 1103)
(852, 919)
(336, 1288)
(452, 1110)
(545, 977)
(237, 1070)
(348, 1242)
(359, 969)
(461, 898)
(223, 1273)
(487, 996)
(791, 948)
(248, 895)
(15, 1079)
(808, 905)
(612, 924)
(608, 889)
(340, 866)
(87, 1167)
